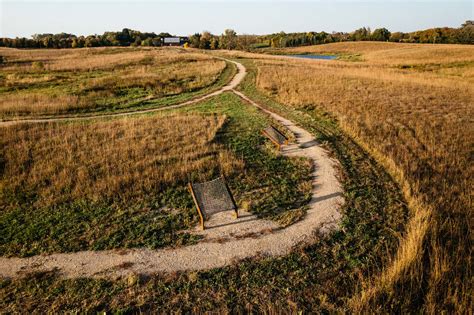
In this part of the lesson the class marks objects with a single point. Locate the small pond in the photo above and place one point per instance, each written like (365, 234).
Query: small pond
(326, 57)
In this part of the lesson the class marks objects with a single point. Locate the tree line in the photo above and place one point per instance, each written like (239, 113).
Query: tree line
(126, 37)
(230, 40)
(440, 35)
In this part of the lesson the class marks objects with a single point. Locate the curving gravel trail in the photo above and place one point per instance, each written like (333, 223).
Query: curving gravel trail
(227, 240)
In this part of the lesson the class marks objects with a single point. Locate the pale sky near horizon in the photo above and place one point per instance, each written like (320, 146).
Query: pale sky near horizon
(83, 17)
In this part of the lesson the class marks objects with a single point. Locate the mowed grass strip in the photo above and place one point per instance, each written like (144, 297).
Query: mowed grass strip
(122, 183)
(50, 82)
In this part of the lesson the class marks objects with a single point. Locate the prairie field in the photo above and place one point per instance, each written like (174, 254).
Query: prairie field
(265, 183)
(411, 106)
(116, 159)
(69, 186)
(52, 82)
(386, 53)
(396, 117)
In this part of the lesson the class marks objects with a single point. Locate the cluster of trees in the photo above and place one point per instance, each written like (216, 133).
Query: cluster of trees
(445, 35)
(230, 40)
(300, 39)
(126, 37)
(364, 33)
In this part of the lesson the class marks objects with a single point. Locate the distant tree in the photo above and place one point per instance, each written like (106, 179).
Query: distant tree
(111, 38)
(274, 42)
(47, 42)
(147, 42)
(361, 34)
(432, 35)
(397, 37)
(81, 42)
(214, 43)
(205, 40)
(91, 41)
(194, 40)
(163, 35)
(244, 42)
(156, 41)
(381, 34)
(137, 42)
(124, 38)
(228, 39)
(465, 35)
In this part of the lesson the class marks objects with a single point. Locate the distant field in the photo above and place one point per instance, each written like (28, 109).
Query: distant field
(51, 82)
(122, 182)
(412, 107)
(398, 54)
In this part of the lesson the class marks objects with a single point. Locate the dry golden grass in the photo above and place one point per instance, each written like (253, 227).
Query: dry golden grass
(87, 59)
(394, 53)
(38, 102)
(418, 123)
(72, 80)
(70, 59)
(163, 78)
(123, 159)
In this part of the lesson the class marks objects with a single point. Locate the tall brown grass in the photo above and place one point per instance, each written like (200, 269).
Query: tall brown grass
(88, 59)
(394, 53)
(123, 159)
(74, 80)
(418, 123)
(169, 78)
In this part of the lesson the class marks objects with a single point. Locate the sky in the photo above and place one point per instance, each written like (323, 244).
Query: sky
(83, 17)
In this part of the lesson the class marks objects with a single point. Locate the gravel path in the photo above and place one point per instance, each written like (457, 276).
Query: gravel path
(227, 240)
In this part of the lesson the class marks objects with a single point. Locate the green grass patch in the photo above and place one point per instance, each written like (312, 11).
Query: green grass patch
(434, 67)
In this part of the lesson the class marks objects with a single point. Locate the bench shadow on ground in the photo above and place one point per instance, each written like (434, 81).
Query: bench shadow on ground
(244, 218)
(326, 197)
(308, 144)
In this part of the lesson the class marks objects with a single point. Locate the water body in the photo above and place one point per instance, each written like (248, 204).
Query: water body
(326, 57)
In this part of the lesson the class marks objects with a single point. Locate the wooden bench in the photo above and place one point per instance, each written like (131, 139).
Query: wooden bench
(212, 197)
(275, 136)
